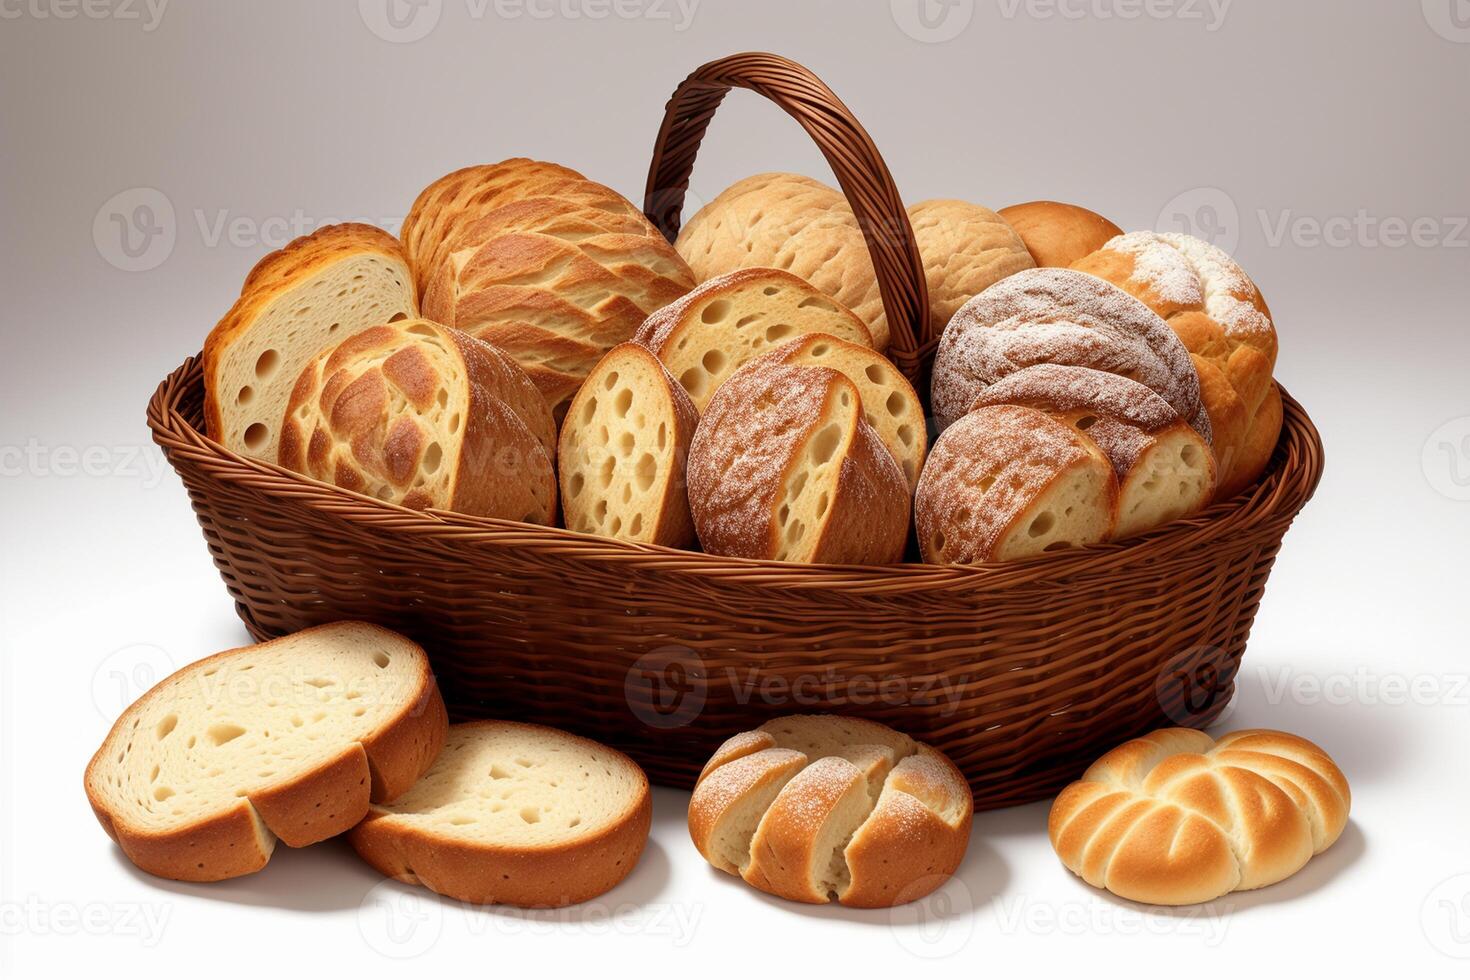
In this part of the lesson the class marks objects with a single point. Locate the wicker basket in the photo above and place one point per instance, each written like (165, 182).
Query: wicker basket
(1023, 672)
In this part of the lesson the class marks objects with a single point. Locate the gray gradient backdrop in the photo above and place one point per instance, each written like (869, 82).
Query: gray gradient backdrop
(149, 156)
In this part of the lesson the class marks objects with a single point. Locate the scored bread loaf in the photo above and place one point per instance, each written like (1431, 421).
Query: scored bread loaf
(288, 740)
(790, 222)
(1059, 316)
(703, 337)
(321, 287)
(1007, 482)
(1057, 234)
(821, 808)
(1176, 817)
(784, 466)
(514, 814)
(1224, 322)
(1165, 469)
(890, 404)
(416, 414)
(623, 452)
(966, 249)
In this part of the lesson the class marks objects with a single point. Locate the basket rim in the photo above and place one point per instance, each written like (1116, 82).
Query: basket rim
(1289, 482)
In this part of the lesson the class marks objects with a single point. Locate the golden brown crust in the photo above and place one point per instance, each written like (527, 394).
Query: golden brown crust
(966, 249)
(1058, 234)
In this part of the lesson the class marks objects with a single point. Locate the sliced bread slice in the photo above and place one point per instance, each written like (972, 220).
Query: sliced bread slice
(288, 739)
(319, 289)
(624, 447)
(703, 337)
(514, 814)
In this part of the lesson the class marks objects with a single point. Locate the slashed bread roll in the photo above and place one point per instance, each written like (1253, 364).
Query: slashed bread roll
(1007, 482)
(966, 249)
(784, 466)
(822, 808)
(1176, 817)
(514, 814)
(787, 221)
(320, 288)
(623, 452)
(1058, 234)
(1223, 320)
(1059, 316)
(890, 404)
(1165, 469)
(704, 336)
(419, 415)
(286, 740)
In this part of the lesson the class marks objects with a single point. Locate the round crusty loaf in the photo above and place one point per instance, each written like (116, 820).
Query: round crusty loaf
(1177, 817)
(787, 221)
(966, 249)
(1056, 234)
(1165, 469)
(419, 415)
(1221, 317)
(705, 335)
(623, 451)
(817, 808)
(1008, 482)
(1058, 316)
(784, 466)
(514, 814)
(318, 289)
(289, 739)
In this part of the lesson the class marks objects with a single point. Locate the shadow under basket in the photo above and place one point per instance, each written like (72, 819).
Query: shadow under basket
(1023, 673)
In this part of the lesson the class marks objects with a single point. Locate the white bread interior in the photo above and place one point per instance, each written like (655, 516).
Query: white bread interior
(1172, 478)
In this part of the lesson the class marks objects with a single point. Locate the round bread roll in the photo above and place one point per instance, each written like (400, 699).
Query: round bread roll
(784, 466)
(705, 335)
(1223, 320)
(1008, 482)
(1059, 316)
(817, 808)
(1165, 469)
(966, 249)
(787, 221)
(419, 415)
(1056, 234)
(1176, 817)
(624, 445)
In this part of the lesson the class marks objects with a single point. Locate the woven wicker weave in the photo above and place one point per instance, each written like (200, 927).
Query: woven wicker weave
(1023, 673)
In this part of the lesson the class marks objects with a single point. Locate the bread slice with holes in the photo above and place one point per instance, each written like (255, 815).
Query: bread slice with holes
(514, 814)
(623, 452)
(1007, 482)
(1165, 469)
(784, 466)
(286, 740)
(323, 287)
(821, 808)
(890, 404)
(706, 335)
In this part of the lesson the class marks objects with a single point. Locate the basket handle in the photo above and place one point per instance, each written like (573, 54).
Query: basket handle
(858, 165)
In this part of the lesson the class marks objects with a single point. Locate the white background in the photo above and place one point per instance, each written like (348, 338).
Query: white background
(1309, 135)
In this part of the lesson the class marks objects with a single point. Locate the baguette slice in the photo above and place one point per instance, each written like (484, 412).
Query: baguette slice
(320, 288)
(703, 337)
(288, 739)
(624, 448)
(514, 814)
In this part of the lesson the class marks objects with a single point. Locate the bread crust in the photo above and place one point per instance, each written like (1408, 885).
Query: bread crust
(966, 249)
(316, 805)
(1059, 234)
(549, 876)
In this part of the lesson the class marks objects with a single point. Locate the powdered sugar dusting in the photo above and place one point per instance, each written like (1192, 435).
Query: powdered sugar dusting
(1230, 298)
